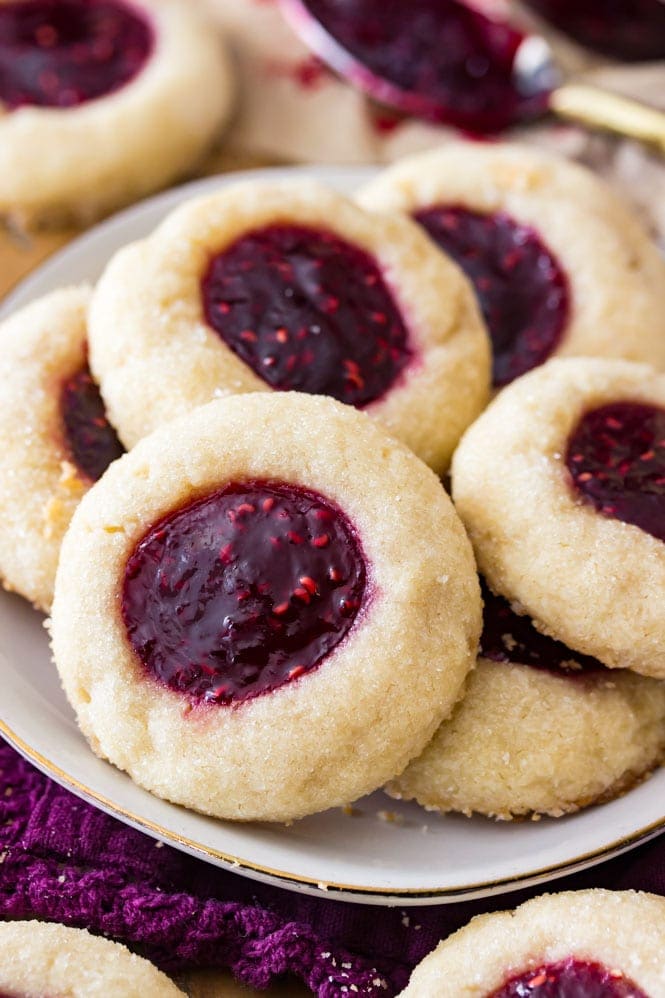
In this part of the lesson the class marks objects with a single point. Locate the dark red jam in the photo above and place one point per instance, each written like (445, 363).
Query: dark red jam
(441, 60)
(623, 29)
(521, 287)
(616, 460)
(60, 53)
(242, 591)
(569, 978)
(91, 440)
(509, 637)
(307, 312)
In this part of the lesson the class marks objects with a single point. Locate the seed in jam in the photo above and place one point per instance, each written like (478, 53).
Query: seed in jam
(307, 312)
(520, 285)
(510, 637)
(91, 440)
(442, 60)
(569, 978)
(616, 460)
(61, 53)
(242, 591)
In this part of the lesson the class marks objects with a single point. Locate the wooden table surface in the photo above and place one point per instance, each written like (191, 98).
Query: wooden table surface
(19, 254)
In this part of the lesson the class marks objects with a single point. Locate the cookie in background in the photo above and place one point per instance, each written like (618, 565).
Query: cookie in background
(103, 102)
(561, 266)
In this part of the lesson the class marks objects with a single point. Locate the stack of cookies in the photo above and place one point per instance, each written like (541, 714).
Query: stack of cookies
(270, 605)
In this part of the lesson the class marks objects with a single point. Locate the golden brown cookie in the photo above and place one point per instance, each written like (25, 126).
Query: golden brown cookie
(103, 101)
(560, 264)
(251, 605)
(40, 958)
(293, 287)
(595, 943)
(55, 439)
(541, 729)
(561, 485)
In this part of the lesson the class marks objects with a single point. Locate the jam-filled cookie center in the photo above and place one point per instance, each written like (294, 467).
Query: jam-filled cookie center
(520, 285)
(243, 591)
(616, 460)
(438, 59)
(61, 53)
(569, 978)
(509, 637)
(89, 437)
(307, 312)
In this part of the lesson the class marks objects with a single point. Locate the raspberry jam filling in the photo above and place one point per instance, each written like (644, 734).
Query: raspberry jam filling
(90, 438)
(521, 287)
(569, 978)
(441, 60)
(509, 637)
(624, 29)
(616, 460)
(60, 53)
(243, 591)
(307, 312)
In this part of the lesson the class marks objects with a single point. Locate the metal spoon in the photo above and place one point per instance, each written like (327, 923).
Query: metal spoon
(453, 50)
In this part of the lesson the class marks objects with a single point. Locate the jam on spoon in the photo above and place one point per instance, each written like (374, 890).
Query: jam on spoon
(448, 61)
(441, 60)
(632, 30)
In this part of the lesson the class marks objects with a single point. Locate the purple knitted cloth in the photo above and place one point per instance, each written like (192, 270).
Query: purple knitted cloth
(61, 859)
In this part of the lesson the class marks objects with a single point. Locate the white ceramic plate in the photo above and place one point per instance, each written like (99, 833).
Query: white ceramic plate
(415, 858)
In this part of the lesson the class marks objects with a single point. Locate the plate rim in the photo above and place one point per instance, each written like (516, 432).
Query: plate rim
(330, 889)
(196, 187)
(359, 894)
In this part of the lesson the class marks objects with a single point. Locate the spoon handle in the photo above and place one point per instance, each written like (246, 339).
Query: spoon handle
(601, 109)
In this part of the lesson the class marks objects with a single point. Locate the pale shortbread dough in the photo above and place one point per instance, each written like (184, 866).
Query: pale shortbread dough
(42, 959)
(77, 163)
(341, 730)
(41, 346)
(616, 275)
(621, 930)
(156, 357)
(526, 741)
(593, 582)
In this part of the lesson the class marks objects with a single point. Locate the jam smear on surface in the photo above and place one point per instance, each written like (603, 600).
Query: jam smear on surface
(521, 287)
(509, 637)
(616, 460)
(441, 60)
(307, 312)
(632, 30)
(90, 438)
(569, 978)
(61, 53)
(243, 591)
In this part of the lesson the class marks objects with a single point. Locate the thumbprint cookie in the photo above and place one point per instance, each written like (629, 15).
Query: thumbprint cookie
(250, 608)
(561, 485)
(103, 101)
(56, 439)
(559, 264)
(290, 287)
(595, 943)
(43, 958)
(541, 729)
